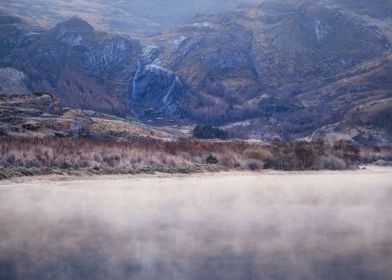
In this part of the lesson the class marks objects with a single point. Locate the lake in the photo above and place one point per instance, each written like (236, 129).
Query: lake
(271, 225)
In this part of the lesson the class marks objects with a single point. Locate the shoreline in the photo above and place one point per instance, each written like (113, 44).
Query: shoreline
(371, 169)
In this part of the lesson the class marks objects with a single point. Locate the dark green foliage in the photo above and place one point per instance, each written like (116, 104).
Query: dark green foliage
(272, 106)
(209, 132)
(211, 160)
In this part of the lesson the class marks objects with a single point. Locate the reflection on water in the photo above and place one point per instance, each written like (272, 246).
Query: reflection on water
(227, 226)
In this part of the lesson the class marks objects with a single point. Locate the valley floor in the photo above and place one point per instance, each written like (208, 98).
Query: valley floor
(231, 225)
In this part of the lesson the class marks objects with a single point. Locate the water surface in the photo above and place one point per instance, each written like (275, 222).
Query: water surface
(313, 225)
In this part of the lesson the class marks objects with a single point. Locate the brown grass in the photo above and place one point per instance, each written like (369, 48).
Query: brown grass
(29, 156)
(102, 156)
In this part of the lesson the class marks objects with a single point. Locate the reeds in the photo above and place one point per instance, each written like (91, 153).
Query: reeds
(43, 155)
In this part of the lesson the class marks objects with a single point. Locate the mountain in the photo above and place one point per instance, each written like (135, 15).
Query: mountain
(289, 68)
(84, 68)
(270, 65)
(129, 17)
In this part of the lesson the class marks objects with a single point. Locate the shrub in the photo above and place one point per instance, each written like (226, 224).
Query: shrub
(305, 154)
(259, 153)
(299, 155)
(320, 146)
(209, 132)
(278, 159)
(145, 154)
(255, 158)
(346, 150)
(332, 162)
(211, 159)
(252, 164)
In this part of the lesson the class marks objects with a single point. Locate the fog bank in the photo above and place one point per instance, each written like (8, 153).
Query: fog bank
(314, 225)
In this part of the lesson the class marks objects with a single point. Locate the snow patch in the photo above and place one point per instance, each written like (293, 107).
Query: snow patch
(176, 42)
(149, 54)
(153, 67)
(203, 24)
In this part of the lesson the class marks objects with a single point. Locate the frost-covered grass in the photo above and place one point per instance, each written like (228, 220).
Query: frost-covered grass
(31, 156)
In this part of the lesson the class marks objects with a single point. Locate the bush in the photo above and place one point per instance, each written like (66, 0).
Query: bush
(300, 155)
(254, 158)
(211, 160)
(150, 155)
(252, 164)
(305, 154)
(346, 150)
(332, 162)
(258, 153)
(320, 146)
(209, 132)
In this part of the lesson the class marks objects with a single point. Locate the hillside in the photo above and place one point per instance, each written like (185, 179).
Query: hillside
(293, 68)
(40, 115)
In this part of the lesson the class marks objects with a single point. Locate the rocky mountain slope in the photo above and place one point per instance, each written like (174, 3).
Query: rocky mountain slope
(288, 68)
(40, 115)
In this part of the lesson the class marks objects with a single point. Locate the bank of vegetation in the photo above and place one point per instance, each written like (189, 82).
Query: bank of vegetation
(39, 156)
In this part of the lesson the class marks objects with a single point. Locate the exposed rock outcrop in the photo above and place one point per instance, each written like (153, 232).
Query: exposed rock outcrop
(12, 82)
(156, 93)
(40, 115)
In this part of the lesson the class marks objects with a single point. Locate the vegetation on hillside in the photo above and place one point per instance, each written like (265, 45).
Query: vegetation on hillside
(209, 132)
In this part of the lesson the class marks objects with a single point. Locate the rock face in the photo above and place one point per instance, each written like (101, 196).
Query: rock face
(41, 115)
(84, 68)
(12, 82)
(278, 68)
(303, 42)
(156, 92)
(288, 68)
(377, 8)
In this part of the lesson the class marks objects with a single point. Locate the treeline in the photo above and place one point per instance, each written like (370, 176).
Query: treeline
(26, 156)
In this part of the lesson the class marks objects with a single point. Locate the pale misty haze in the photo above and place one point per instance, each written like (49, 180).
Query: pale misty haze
(119, 15)
(146, 17)
(296, 226)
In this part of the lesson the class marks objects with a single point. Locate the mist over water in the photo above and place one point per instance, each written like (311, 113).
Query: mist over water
(326, 225)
